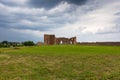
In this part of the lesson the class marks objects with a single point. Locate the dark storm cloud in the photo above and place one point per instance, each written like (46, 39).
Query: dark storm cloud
(77, 2)
(51, 3)
(7, 19)
(8, 22)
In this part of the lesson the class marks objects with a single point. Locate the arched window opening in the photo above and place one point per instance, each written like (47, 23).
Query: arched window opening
(61, 42)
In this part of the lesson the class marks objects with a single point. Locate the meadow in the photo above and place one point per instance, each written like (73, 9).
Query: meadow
(60, 62)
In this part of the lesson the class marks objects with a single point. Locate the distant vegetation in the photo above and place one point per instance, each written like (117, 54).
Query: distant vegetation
(28, 43)
(6, 44)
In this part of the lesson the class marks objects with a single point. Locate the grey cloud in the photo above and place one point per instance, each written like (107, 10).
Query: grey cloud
(113, 30)
(51, 3)
(14, 23)
(118, 13)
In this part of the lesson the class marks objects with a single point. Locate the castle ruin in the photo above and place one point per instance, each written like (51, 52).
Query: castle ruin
(51, 40)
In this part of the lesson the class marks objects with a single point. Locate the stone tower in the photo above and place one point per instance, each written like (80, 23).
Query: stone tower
(49, 39)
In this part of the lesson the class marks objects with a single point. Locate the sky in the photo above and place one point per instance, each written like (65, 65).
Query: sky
(88, 20)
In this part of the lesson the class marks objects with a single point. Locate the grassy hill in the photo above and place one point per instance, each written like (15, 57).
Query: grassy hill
(62, 62)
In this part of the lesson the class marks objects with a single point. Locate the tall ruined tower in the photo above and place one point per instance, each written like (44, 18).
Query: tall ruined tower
(49, 39)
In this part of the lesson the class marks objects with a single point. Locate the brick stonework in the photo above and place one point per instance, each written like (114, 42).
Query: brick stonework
(51, 40)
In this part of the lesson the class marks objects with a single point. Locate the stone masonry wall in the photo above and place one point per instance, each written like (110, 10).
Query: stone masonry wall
(51, 40)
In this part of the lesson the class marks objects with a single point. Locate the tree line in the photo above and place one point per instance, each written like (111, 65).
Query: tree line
(5, 44)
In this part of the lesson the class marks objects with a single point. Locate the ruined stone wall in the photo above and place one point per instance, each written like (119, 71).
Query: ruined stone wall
(51, 40)
(62, 41)
(73, 39)
(66, 40)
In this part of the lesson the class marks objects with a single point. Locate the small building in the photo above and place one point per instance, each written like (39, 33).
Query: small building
(39, 43)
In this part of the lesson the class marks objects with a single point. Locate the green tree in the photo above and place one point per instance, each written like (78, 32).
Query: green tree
(0, 45)
(4, 44)
(28, 43)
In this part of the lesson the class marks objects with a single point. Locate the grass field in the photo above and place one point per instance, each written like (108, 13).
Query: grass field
(63, 62)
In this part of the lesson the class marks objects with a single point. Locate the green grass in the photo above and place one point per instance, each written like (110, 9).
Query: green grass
(62, 62)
